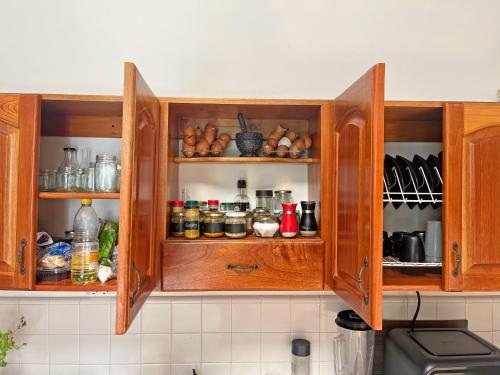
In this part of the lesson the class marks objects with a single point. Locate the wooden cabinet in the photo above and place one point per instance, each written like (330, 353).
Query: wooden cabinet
(471, 243)
(19, 128)
(342, 172)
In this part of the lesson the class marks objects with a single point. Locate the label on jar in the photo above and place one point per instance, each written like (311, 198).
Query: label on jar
(177, 229)
(236, 228)
(214, 227)
(191, 225)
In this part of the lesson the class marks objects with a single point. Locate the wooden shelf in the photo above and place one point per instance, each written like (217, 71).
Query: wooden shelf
(247, 239)
(76, 195)
(250, 160)
(67, 286)
(408, 280)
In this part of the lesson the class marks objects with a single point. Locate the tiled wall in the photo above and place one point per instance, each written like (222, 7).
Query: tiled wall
(215, 335)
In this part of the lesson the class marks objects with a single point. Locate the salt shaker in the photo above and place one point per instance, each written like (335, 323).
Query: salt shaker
(301, 355)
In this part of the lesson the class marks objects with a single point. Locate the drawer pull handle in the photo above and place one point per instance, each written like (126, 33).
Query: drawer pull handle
(20, 256)
(247, 267)
(458, 258)
(359, 281)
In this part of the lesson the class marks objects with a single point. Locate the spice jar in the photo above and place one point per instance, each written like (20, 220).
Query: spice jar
(226, 207)
(289, 225)
(105, 173)
(280, 197)
(266, 225)
(191, 220)
(203, 209)
(308, 226)
(177, 219)
(236, 224)
(264, 199)
(214, 224)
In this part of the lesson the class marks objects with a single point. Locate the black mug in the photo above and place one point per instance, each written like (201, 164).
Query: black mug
(395, 243)
(412, 249)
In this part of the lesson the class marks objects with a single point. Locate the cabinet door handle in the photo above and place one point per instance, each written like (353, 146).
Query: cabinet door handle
(247, 267)
(20, 256)
(139, 283)
(360, 280)
(458, 259)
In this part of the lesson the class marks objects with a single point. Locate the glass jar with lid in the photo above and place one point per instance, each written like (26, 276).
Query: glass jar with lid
(280, 197)
(177, 219)
(226, 207)
(105, 173)
(236, 224)
(66, 173)
(192, 220)
(264, 199)
(214, 224)
(266, 225)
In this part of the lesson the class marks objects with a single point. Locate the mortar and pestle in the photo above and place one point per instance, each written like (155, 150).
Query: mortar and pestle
(249, 143)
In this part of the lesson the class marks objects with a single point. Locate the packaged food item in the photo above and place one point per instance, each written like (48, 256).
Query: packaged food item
(191, 220)
(43, 239)
(177, 219)
(107, 270)
(107, 239)
(214, 224)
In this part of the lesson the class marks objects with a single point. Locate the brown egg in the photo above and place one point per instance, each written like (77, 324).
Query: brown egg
(188, 150)
(291, 135)
(216, 149)
(273, 142)
(225, 137)
(188, 131)
(282, 151)
(267, 150)
(189, 139)
(306, 138)
(202, 147)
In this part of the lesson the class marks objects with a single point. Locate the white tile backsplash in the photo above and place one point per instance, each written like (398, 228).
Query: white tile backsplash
(223, 335)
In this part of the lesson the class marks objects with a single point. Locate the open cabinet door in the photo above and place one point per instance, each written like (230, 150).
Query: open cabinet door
(138, 250)
(471, 241)
(19, 135)
(358, 206)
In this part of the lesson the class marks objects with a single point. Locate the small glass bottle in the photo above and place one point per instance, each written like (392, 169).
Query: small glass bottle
(47, 180)
(81, 179)
(236, 224)
(66, 173)
(280, 197)
(301, 355)
(264, 199)
(177, 219)
(241, 201)
(90, 177)
(105, 173)
(191, 220)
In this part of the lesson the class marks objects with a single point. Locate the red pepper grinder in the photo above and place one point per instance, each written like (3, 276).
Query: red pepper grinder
(289, 225)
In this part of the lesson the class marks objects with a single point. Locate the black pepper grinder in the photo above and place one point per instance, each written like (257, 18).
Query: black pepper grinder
(308, 226)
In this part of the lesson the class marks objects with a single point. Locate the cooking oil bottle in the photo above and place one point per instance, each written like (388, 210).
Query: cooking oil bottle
(85, 252)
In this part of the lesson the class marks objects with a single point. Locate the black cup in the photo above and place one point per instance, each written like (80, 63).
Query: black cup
(412, 249)
(395, 243)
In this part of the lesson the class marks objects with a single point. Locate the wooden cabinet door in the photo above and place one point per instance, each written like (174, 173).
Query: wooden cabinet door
(138, 250)
(19, 129)
(358, 211)
(471, 209)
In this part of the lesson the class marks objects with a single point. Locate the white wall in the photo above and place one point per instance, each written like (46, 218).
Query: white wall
(447, 49)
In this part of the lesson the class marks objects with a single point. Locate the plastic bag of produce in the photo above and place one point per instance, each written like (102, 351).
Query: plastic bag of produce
(107, 239)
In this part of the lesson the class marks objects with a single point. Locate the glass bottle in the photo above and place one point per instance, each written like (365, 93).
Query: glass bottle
(86, 156)
(90, 177)
(280, 197)
(241, 201)
(81, 179)
(66, 174)
(105, 173)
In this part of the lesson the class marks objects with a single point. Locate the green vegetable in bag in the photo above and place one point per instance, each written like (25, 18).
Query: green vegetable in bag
(107, 239)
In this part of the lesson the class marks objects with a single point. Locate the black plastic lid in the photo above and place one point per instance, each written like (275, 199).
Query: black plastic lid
(301, 348)
(264, 193)
(242, 184)
(348, 319)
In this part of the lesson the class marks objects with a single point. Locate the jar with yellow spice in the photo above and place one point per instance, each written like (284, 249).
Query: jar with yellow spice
(191, 220)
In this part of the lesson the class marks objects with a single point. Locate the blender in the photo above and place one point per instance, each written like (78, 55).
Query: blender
(354, 345)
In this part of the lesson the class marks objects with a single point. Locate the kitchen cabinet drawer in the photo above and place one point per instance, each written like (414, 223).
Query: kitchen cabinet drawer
(249, 264)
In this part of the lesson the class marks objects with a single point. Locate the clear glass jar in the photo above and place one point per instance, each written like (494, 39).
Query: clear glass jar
(177, 219)
(214, 224)
(81, 180)
(264, 199)
(226, 207)
(266, 225)
(118, 176)
(90, 177)
(236, 224)
(47, 180)
(280, 197)
(66, 173)
(191, 220)
(105, 173)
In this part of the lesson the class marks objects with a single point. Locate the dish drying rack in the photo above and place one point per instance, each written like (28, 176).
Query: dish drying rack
(389, 261)
(413, 196)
